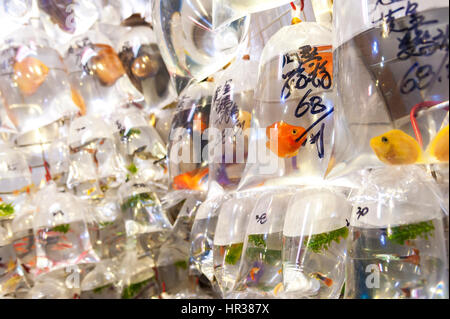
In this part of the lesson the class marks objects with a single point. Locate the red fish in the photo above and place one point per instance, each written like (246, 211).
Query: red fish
(327, 281)
(193, 180)
(253, 272)
(285, 140)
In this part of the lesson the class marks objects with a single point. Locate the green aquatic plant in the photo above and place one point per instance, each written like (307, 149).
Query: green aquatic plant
(401, 234)
(268, 256)
(181, 264)
(257, 240)
(105, 224)
(63, 228)
(133, 290)
(131, 132)
(132, 168)
(99, 290)
(134, 200)
(234, 254)
(6, 209)
(321, 242)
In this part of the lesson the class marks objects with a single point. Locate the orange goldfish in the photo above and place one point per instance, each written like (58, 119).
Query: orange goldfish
(253, 272)
(439, 146)
(107, 65)
(29, 74)
(79, 101)
(199, 123)
(326, 55)
(396, 148)
(193, 180)
(278, 288)
(286, 137)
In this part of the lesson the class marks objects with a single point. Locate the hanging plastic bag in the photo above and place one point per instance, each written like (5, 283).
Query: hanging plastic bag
(60, 230)
(97, 77)
(12, 277)
(173, 260)
(64, 19)
(14, 14)
(137, 138)
(188, 163)
(46, 152)
(396, 247)
(101, 282)
(24, 241)
(314, 244)
(33, 81)
(137, 277)
(107, 227)
(145, 220)
(202, 235)
(140, 55)
(260, 272)
(53, 285)
(188, 44)
(291, 141)
(229, 237)
(397, 81)
(227, 11)
(94, 161)
(231, 116)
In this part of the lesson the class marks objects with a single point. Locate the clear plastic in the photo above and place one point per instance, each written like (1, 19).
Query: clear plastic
(293, 126)
(260, 271)
(33, 81)
(227, 11)
(392, 81)
(94, 160)
(60, 230)
(145, 220)
(231, 116)
(188, 163)
(396, 246)
(229, 237)
(188, 44)
(315, 236)
(14, 14)
(46, 152)
(98, 79)
(141, 57)
(173, 260)
(101, 282)
(202, 236)
(64, 19)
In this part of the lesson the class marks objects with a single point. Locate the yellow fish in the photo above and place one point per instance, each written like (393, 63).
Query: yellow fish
(396, 148)
(245, 118)
(439, 145)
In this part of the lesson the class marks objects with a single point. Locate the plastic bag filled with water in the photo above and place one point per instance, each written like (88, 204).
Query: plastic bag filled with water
(293, 127)
(229, 237)
(61, 232)
(12, 276)
(14, 14)
(188, 162)
(46, 152)
(140, 55)
(97, 76)
(396, 245)
(94, 160)
(107, 227)
(261, 272)
(101, 282)
(315, 236)
(173, 260)
(202, 236)
(189, 45)
(145, 220)
(34, 83)
(230, 121)
(64, 19)
(392, 77)
(227, 11)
